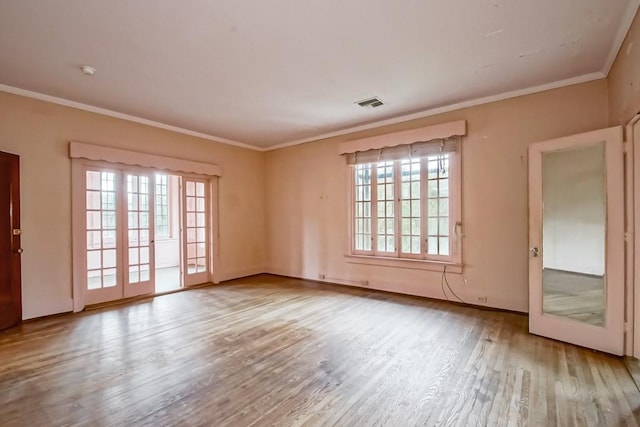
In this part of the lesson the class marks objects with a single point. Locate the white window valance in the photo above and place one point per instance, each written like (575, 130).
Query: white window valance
(81, 150)
(421, 142)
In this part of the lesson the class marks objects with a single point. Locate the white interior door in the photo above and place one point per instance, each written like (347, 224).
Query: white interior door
(196, 231)
(576, 236)
(139, 218)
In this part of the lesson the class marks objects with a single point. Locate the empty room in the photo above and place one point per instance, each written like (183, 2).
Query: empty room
(364, 213)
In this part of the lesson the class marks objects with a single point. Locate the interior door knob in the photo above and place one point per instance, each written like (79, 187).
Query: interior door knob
(534, 251)
(19, 251)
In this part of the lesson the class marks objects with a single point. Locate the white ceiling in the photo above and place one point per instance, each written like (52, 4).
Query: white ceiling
(268, 73)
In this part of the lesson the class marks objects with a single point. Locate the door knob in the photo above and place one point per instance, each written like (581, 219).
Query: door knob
(534, 251)
(19, 251)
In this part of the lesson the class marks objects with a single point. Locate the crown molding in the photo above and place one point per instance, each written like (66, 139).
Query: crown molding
(447, 108)
(117, 115)
(421, 114)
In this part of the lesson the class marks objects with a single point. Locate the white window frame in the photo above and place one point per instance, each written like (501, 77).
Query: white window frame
(455, 223)
(413, 143)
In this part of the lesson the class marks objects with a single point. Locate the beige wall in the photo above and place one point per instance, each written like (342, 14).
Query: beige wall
(307, 198)
(40, 132)
(624, 79)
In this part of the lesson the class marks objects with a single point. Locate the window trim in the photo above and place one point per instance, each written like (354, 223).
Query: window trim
(398, 259)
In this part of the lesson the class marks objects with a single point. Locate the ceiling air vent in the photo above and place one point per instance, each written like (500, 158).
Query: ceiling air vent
(370, 103)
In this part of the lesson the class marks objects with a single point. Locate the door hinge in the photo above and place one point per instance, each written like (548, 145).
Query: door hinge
(627, 236)
(626, 326)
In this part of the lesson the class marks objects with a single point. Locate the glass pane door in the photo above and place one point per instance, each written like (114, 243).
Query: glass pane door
(139, 276)
(101, 238)
(196, 233)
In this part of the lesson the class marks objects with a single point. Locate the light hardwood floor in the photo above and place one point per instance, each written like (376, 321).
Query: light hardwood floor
(275, 351)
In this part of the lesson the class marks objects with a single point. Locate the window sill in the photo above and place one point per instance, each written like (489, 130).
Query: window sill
(414, 264)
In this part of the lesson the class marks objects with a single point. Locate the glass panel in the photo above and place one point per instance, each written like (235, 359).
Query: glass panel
(191, 219)
(93, 200)
(134, 259)
(134, 276)
(94, 240)
(415, 245)
(144, 272)
(200, 189)
(109, 258)
(432, 246)
(93, 180)
(109, 278)
(144, 237)
(443, 226)
(406, 226)
(144, 255)
(109, 239)
(406, 244)
(191, 188)
(94, 281)
(444, 207)
(93, 221)
(138, 224)
(94, 260)
(444, 246)
(573, 252)
(144, 219)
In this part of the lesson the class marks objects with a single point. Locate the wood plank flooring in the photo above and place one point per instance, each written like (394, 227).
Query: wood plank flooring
(274, 351)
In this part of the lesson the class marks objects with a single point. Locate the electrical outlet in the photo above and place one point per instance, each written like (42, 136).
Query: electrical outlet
(321, 276)
(482, 299)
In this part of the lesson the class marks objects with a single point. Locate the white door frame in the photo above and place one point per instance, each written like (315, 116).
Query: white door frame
(79, 165)
(609, 338)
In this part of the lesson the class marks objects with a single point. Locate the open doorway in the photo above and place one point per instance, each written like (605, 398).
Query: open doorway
(169, 276)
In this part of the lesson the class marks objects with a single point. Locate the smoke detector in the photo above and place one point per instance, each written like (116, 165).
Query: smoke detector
(88, 70)
(371, 102)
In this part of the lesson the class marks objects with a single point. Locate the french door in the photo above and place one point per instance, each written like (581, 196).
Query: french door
(120, 235)
(576, 236)
(139, 254)
(196, 226)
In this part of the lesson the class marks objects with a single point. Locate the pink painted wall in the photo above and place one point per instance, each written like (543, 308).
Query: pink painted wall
(40, 133)
(624, 79)
(307, 196)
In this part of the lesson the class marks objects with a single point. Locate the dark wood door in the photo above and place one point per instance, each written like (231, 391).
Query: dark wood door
(10, 250)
